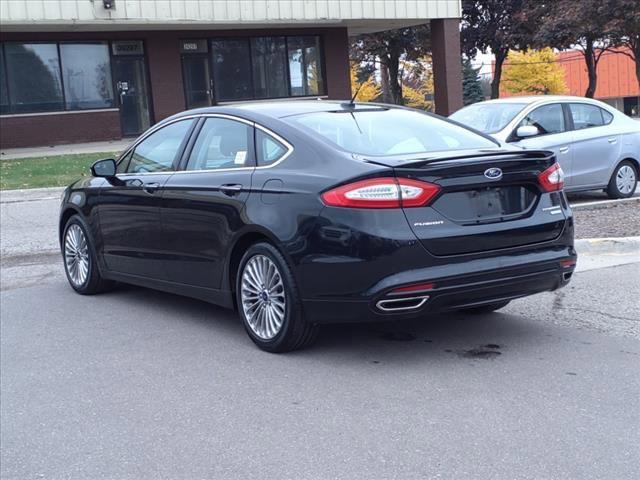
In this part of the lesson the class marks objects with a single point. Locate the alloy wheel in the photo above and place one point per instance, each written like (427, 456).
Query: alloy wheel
(625, 179)
(263, 296)
(76, 255)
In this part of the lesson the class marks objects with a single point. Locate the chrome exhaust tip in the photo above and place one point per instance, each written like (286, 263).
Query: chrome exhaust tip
(402, 304)
(566, 276)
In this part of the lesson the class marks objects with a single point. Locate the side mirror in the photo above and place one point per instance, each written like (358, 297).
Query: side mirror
(527, 131)
(105, 168)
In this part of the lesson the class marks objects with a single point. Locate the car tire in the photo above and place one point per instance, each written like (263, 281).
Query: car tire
(624, 180)
(269, 302)
(80, 260)
(489, 308)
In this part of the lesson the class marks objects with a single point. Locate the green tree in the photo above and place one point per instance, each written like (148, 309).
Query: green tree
(586, 26)
(498, 26)
(471, 84)
(536, 72)
(388, 50)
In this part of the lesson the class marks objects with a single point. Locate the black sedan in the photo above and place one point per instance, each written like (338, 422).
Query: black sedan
(300, 213)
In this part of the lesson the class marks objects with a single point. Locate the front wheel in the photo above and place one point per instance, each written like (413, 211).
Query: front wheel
(80, 263)
(269, 303)
(623, 181)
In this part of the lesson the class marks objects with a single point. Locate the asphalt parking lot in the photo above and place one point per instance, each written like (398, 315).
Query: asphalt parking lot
(136, 384)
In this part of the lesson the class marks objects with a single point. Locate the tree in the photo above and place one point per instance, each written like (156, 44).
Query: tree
(471, 84)
(587, 27)
(388, 49)
(368, 90)
(625, 29)
(499, 26)
(536, 72)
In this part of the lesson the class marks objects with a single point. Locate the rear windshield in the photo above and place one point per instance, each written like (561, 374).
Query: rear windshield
(488, 117)
(390, 132)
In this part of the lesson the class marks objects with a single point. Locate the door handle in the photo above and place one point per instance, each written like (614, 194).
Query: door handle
(564, 149)
(151, 187)
(231, 189)
(612, 140)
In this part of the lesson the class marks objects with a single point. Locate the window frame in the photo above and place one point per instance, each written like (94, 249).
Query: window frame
(58, 43)
(570, 115)
(248, 39)
(567, 126)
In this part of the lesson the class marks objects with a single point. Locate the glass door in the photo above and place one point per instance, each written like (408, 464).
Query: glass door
(130, 76)
(197, 81)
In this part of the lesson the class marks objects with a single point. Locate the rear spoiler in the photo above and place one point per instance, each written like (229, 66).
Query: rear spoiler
(420, 160)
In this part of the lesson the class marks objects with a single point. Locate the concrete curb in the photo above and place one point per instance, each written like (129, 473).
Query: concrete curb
(620, 245)
(602, 204)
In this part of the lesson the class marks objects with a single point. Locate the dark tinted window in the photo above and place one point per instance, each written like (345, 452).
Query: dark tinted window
(586, 116)
(221, 143)
(548, 119)
(4, 94)
(269, 149)
(269, 59)
(157, 152)
(123, 163)
(231, 69)
(86, 74)
(33, 71)
(390, 132)
(305, 66)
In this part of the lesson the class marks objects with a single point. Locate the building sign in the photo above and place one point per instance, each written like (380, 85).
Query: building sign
(194, 46)
(134, 47)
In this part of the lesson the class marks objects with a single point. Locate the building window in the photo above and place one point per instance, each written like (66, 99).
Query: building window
(305, 66)
(86, 75)
(48, 77)
(269, 61)
(33, 77)
(231, 69)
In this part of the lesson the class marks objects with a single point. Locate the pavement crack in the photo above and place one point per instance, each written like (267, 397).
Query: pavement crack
(608, 315)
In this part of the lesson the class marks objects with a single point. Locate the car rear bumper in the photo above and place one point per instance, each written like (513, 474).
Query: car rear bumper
(456, 286)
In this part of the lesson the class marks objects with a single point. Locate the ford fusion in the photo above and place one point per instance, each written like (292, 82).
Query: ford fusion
(303, 213)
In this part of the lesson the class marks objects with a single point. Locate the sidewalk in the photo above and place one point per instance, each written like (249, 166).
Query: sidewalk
(70, 149)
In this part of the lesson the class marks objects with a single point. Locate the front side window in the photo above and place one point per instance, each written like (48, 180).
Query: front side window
(547, 119)
(586, 116)
(86, 74)
(305, 66)
(33, 74)
(157, 152)
(231, 69)
(222, 143)
(383, 131)
(269, 150)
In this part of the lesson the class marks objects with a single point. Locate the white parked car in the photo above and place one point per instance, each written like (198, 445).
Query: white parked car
(597, 146)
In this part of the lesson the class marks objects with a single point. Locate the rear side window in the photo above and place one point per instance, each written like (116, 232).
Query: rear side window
(158, 151)
(269, 149)
(548, 119)
(587, 116)
(387, 132)
(222, 143)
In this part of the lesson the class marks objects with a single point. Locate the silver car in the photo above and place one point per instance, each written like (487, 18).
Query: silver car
(597, 146)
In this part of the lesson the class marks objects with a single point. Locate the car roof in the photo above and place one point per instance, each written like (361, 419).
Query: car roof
(284, 108)
(532, 99)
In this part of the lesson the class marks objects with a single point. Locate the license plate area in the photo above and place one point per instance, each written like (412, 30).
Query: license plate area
(487, 204)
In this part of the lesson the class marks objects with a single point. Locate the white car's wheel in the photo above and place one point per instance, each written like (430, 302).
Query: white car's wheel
(624, 180)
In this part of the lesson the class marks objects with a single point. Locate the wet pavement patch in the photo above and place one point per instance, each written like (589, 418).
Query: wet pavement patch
(398, 336)
(492, 346)
(481, 352)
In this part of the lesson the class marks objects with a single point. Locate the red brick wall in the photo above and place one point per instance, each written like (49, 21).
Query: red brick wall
(72, 127)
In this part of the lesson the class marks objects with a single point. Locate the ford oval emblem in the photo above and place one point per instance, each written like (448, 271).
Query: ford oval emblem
(493, 173)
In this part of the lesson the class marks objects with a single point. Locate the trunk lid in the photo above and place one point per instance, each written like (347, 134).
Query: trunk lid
(487, 201)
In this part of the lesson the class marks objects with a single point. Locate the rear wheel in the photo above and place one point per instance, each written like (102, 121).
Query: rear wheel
(80, 263)
(269, 303)
(623, 181)
(491, 307)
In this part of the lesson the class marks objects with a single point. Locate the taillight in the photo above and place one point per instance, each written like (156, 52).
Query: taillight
(385, 192)
(413, 288)
(552, 179)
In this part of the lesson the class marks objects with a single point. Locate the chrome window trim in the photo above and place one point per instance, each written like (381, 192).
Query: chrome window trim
(154, 129)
